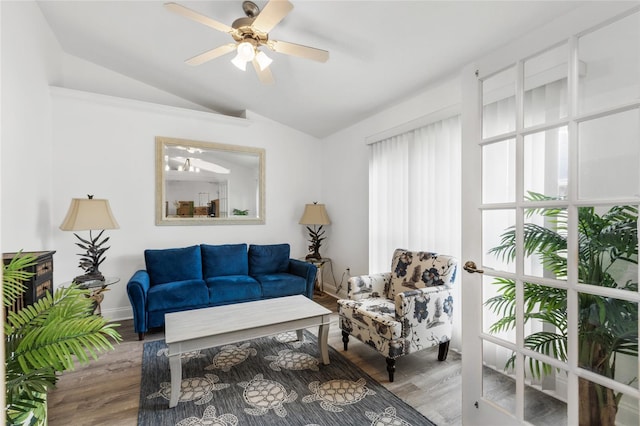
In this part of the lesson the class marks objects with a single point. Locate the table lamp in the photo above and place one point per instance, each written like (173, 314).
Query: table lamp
(315, 214)
(90, 214)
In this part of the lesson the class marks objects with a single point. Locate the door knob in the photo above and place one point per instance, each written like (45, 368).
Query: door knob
(470, 266)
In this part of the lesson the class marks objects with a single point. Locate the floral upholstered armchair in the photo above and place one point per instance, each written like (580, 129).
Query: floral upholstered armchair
(403, 311)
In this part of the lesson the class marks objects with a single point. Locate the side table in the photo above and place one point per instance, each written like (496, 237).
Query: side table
(319, 275)
(97, 288)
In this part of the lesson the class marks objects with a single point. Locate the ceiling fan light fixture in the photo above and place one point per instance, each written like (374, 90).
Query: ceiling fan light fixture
(263, 60)
(250, 33)
(246, 51)
(240, 63)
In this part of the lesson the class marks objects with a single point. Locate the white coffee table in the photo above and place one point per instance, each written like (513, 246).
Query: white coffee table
(221, 325)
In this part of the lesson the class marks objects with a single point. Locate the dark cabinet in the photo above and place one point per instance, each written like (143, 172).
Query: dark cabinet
(40, 283)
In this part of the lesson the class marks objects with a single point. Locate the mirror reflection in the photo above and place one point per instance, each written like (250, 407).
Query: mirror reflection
(206, 183)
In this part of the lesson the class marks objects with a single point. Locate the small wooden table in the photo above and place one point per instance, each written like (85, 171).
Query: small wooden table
(222, 325)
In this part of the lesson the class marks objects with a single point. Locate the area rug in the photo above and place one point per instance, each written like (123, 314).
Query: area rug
(269, 381)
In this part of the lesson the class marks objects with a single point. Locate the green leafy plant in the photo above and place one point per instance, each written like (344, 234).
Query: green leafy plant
(46, 338)
(607, 244)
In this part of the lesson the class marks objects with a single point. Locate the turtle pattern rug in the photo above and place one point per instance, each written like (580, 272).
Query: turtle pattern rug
(273, 380)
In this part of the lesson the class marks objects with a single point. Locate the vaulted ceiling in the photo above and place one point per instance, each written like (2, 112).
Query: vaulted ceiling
(380, 51)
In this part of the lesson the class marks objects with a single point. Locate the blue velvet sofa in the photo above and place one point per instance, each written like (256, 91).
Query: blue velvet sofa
(205, 275)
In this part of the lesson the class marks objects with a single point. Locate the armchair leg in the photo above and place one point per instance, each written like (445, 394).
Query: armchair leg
(140, 336)
(443, 350)
(345, 339)
(391, 368)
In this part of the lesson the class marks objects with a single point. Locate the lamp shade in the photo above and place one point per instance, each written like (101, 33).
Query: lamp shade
(88, 214)
(314, 214)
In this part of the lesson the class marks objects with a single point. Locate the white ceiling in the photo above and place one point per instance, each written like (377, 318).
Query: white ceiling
(380, 51)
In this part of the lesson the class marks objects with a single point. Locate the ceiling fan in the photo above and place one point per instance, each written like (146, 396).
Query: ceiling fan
(250, 33)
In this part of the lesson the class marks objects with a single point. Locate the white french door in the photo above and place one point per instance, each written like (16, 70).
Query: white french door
(551, 188)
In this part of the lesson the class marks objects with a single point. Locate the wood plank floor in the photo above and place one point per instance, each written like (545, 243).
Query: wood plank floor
(107, 391)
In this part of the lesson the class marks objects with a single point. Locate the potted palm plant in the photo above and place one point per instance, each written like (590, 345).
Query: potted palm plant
(607, 326)
(44, 339)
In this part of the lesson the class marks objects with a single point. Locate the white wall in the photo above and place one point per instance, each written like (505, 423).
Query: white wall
(84, 75)
(30, 58)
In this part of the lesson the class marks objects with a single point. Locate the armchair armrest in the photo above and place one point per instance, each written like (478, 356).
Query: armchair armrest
(363, 286)
(137, 289)
(426, 315)
(305, 270)
(439, 299)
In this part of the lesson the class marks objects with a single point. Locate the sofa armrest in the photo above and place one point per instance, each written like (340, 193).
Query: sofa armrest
(363, 286)
(305, 270)
(137, 289)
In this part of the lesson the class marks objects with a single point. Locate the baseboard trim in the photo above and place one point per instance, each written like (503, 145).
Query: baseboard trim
(332, 290)
(117, 314)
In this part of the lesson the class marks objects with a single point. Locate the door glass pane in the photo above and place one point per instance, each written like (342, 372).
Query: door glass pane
(545, 85)
(545, 326)
(498, 308)
(545, 242)
(498, 385)
(546, 163)
(608, 336)
(499, 104)
(498, 172)
(627, 412)
(598, 406)
(608, 252)
(608, 156)
(497, 234)
(610, 64)
(545, 398)
(542, 406)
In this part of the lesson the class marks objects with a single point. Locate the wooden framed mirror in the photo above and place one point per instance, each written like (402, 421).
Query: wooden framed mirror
(207, 183)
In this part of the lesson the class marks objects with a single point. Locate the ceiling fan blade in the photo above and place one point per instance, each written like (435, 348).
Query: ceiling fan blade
(192, 14)
(272, 14)
(298, 50)
(264, 75)
(211, 54)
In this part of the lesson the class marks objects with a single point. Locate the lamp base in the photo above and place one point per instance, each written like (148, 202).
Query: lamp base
(313, 256)
(91, 260)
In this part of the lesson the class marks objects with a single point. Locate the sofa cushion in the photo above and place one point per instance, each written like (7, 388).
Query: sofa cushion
(281, 284)
(233, 288)
(176, 264)
(419, 269)
(225, 259)
(268, 259)
(178, 295)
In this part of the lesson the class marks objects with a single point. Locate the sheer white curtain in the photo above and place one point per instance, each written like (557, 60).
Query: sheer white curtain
(388, 200)
(414, 192)
(414, 196)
